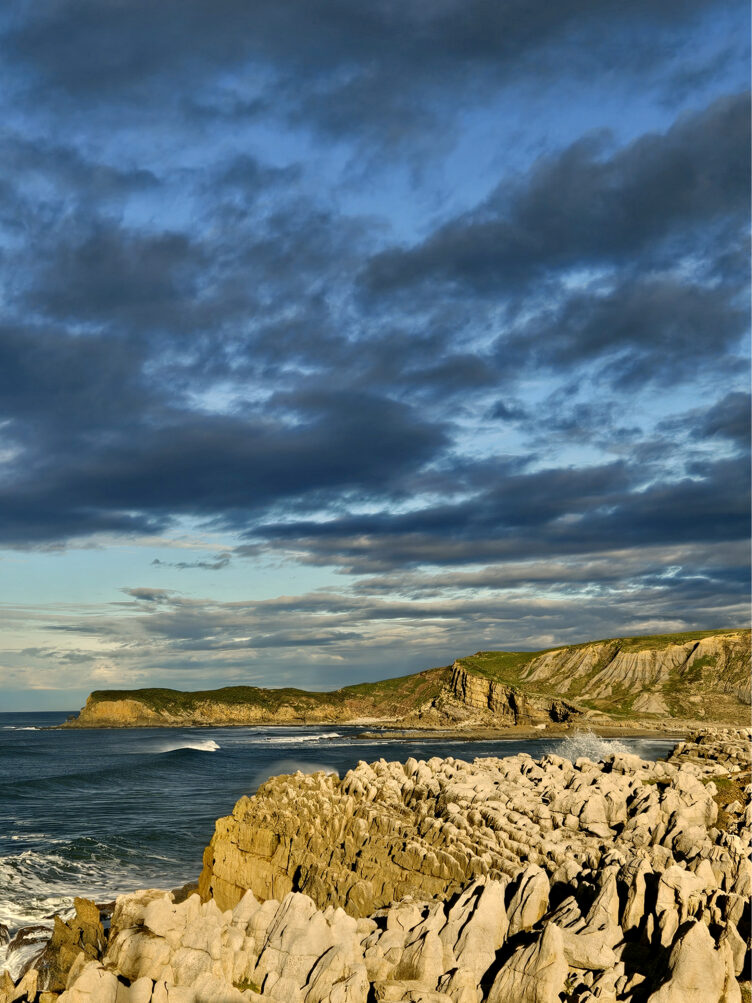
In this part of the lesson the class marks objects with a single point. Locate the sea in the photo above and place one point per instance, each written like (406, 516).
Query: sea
(96, 813)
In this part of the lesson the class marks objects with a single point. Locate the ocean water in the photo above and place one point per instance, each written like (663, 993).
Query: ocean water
(96, 813)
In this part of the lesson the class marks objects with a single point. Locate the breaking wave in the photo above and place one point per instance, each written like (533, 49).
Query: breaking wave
(297, 739)
(200, 745)
(590, 746)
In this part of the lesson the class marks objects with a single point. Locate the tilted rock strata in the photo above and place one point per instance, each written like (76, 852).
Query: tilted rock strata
(487, 701)
(623, 889)
(665, 677)
(607, 667)
(728, 748)
(387, 830)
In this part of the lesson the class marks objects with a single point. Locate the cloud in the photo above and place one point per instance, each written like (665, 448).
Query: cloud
(645, 329)
(588, 207)
(216, 467)
(728, 419)
(325, 639)
(381, 73)
(373, 292)
(150, 595)
(219, 562)
(546, 512)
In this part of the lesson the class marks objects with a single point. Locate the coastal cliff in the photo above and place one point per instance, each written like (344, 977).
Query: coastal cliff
(700, 676)
(486, 699)
(500, 880)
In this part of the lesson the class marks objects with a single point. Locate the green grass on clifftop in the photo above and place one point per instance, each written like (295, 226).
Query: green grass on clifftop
(400, 693)
(686, 689)
(700, 689)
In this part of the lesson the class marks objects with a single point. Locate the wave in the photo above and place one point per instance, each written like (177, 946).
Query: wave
(37, 883)
(588, 745)
(15, 961)
(286, 767)
(199, 745)
(298, 739)
(19, 727)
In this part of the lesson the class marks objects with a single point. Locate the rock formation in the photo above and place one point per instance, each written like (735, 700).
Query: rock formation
(387, 830)
(702, 676)
(502, 880)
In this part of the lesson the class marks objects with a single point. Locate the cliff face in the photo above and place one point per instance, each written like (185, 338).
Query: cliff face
(710, 672)
(696, 677)
(117, 714)
(488, 701)
(130, 713)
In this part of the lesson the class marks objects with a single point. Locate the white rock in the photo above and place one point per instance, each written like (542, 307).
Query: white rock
(534, 974)
(530, 901)
(93, 985)
(697, 970)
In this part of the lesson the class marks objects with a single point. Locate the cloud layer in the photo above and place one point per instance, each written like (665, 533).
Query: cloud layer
(446, 304)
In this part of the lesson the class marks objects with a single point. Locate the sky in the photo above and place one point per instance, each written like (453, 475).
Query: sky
(340, 340)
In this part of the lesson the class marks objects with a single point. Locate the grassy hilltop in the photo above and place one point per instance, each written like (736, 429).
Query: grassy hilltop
(697, 674)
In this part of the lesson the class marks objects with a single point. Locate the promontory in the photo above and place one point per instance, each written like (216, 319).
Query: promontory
(644, 681)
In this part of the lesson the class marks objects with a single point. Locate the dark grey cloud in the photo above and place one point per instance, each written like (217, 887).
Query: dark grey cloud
(248, 286)
(216, 467)
(120, 277)
(546, 512)
(508, 411)
(587, 207)
(728, 419)
(150, 595)
(60, 170)
(100, 395)
(348, 70)
(724, 566)
(646, 329)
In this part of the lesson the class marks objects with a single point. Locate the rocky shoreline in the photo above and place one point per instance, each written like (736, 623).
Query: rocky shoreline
(502, 880)
(631, 729)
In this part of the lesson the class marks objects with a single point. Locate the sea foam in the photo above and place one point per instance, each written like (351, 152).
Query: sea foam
(588, 745)
(199, 744)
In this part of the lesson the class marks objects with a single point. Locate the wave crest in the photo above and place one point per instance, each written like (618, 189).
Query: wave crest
(588, 745)
(199, 744)
(298, 739)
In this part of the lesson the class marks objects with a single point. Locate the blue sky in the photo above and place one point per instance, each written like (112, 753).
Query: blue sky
(338, 341)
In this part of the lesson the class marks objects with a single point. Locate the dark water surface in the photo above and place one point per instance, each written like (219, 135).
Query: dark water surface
(96, 813)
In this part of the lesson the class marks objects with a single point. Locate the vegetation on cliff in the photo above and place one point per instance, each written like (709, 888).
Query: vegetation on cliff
(698, 674)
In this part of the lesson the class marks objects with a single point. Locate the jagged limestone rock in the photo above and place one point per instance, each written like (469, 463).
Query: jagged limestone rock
(82, 933)
(534, 974)
(428, 829)
(552, 908)
(698, 972)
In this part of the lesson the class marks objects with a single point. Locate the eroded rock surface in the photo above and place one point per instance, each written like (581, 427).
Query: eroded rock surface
(582, 882)
(426, 829)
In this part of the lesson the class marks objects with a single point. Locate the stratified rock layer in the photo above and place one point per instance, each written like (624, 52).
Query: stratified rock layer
(610, 882)
(387, 830)
(703, 677)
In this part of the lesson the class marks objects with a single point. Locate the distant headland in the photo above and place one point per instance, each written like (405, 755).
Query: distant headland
(659, 681)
